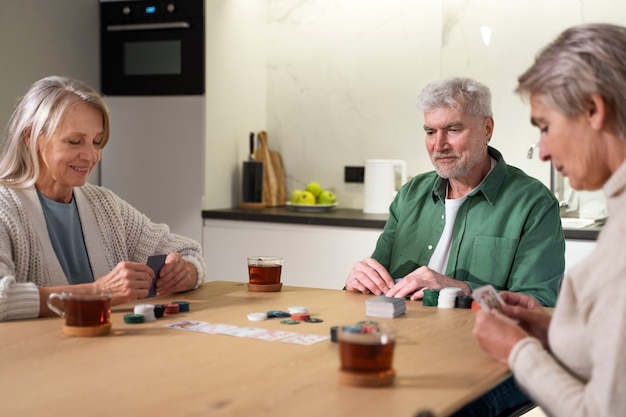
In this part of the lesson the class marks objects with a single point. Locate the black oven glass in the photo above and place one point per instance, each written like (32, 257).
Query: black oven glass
(152, 58)
(152, 47)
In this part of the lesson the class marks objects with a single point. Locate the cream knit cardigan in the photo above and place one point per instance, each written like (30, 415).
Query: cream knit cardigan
(114, 231)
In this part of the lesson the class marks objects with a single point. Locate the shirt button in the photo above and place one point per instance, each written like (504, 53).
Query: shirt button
(442, 217)
(430, 247)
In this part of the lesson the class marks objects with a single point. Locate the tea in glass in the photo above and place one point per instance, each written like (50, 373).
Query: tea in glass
(366, 355)
(264, 273)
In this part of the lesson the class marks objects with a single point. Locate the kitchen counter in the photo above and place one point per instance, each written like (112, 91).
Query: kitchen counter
(342, 217)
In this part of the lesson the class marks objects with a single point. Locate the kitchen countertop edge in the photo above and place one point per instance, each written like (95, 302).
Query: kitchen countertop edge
(340, 217)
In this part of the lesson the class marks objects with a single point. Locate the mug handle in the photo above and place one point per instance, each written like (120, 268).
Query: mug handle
(51, 305)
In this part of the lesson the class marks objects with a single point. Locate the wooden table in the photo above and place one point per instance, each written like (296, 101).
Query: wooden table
(149, 370)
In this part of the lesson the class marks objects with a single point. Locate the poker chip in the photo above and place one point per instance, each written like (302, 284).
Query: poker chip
(297, 309)
(300, 316)
(184, 306)
(463, 301)
(257, 316)
(313, 320)
(366, 322)
(159, 309)
(290, 321)
(430, 298)
(447, 297)
(333, 333)
(147, 310)
(172, 309)
(133, 318)
(278, 313)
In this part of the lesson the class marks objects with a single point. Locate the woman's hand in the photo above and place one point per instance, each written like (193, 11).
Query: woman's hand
(497, 334)
(529, 313)
(128, 281)
(176, 275)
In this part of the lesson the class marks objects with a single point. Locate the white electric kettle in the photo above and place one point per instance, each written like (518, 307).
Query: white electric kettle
(380, 184)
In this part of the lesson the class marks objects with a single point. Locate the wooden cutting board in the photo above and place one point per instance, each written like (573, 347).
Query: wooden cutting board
(274, 188)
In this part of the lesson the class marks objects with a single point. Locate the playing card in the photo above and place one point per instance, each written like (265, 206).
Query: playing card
(214, 328)
(155, 262)
(272, 335)
(186, 325)
(243, 331)
(487, 297)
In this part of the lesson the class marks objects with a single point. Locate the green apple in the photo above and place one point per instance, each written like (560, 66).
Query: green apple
(306, 198)
(326, 197)
(314, 188)
(295, 196)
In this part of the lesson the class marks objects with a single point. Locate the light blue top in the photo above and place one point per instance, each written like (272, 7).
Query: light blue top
(66, 235)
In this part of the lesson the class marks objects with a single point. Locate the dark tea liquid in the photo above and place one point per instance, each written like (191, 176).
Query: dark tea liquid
(358, 357)
(87, 312)
(265, 274)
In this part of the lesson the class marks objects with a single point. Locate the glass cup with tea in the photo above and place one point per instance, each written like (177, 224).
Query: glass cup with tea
(366, 355)
(86, 313)
(264, 273)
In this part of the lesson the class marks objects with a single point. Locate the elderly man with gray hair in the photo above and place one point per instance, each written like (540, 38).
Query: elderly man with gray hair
(472, 221)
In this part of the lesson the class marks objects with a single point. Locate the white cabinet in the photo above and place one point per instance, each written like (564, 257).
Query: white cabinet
(314, 256)
(577, 250)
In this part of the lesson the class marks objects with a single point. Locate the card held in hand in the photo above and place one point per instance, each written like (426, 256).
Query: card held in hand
(155, 262)
(487, 297)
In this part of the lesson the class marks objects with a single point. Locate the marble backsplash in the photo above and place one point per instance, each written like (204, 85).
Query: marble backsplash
(343, 77)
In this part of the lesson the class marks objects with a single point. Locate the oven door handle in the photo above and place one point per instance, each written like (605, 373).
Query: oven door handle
(148, 26)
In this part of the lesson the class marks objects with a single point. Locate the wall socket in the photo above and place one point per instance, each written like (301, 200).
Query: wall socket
(354, 174)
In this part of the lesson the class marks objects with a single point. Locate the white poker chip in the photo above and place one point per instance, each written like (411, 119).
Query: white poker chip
(297, 309)
(147, 310)
(257, 316)
(447, 297)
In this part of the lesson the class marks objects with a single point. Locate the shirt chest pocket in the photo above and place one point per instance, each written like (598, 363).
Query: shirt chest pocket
(492, 259)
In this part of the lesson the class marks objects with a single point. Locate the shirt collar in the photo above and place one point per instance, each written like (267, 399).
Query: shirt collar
(490, 187)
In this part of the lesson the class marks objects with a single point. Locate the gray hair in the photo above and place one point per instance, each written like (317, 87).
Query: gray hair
(36, 117)
(584, 60)
(457, 93)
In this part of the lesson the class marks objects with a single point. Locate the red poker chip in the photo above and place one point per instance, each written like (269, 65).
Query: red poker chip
(300, 316)
(172, 309)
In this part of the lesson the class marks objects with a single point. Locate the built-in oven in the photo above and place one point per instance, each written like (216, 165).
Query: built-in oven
(152, 47)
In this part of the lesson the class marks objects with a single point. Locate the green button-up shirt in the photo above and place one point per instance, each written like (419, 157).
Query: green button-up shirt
(507, 233)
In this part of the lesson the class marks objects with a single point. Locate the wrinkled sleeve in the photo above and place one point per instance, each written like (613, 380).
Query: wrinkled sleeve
(146, 238)
(18, 300)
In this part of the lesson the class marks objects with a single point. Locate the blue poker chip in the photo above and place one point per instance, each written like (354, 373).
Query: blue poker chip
(184, 305)
(277, 313)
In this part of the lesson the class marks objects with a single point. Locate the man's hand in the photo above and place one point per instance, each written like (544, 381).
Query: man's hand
(369, 277)
(424, 278)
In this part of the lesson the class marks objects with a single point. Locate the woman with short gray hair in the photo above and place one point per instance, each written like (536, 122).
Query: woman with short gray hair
(571, 362)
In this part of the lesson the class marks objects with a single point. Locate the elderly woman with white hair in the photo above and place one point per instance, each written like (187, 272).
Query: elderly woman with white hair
(58, 232)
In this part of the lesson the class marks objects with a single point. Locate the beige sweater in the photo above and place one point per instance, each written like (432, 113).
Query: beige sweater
(113, 230)
(585, 372)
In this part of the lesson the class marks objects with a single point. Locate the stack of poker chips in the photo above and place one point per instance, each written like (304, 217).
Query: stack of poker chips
(385, 307)
(463, 301)
(430, 298)
(447, 297)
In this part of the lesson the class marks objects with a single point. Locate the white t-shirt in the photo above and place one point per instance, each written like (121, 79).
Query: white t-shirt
(439, 260)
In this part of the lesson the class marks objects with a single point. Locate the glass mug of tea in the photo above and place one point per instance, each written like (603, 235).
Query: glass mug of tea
(366, 355)
(264, 273)
(86, 313)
